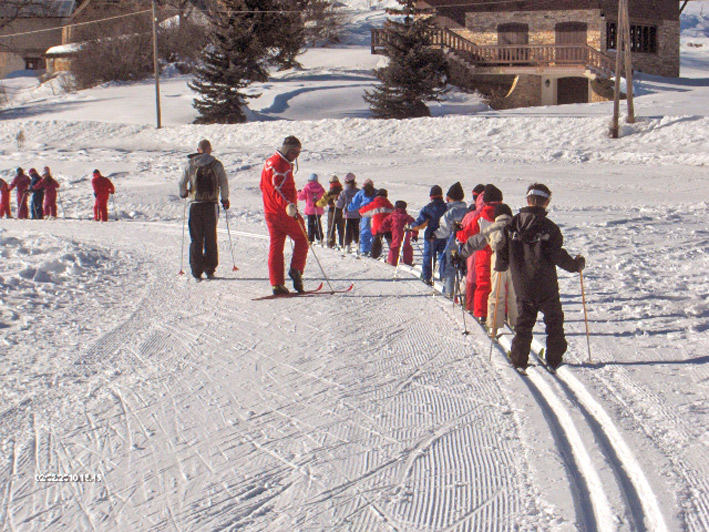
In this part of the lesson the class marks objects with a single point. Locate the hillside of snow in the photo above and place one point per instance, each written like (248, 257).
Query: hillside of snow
(134, 398)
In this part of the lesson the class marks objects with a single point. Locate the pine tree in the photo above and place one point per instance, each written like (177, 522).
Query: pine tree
(248, 36)
(416, 72)
(234, 59)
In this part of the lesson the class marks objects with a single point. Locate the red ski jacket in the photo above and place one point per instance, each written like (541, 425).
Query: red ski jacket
(379, 208)
(102, 186)
(277, 185)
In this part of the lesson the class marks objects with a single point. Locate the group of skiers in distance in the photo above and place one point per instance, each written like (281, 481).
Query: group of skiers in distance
(37, 195)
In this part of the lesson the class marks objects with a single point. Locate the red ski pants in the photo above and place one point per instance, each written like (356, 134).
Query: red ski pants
(482, 282)
(101, 208)
(22, 205)
(5, 206)
(279, 227)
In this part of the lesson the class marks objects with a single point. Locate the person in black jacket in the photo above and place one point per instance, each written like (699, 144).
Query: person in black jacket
(532, 249)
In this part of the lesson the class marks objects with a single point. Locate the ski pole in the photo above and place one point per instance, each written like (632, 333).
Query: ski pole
(231, 245)
(585, 316)
(331, 229)
(301, 224)
(182, 247)
(61, 204)
(493, 329)
(460, 299)
(115, 211)
(401, 252)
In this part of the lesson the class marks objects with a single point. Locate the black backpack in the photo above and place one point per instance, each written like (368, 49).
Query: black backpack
(205, 183)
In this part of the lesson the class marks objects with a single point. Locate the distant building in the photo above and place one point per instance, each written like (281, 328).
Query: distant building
(531, 52)
(25, 51)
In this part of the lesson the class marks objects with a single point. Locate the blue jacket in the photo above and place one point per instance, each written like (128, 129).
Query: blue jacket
(359, 201)
(431, 213)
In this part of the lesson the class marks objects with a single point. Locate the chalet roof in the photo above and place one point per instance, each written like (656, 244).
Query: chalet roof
(36, 8)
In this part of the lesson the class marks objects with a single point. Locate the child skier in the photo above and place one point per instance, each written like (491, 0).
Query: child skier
(397, 223)
(50, 186)
(362, 198)
(5, 199)
(502, 301)
(449, 223)
(37, 195)
(473, 210)
(532, 249)
(351, 217)
(103, 188)
(335, 221)
(492, 196)
(22, 183)
(378, 209)
(311, 193)
(429, 218)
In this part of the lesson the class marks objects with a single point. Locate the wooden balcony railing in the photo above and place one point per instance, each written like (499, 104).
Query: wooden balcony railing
(511, 55)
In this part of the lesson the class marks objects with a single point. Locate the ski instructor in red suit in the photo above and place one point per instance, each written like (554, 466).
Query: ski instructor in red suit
(280, 200)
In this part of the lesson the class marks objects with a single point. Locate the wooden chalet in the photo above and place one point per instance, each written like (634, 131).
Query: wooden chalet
(547, 52)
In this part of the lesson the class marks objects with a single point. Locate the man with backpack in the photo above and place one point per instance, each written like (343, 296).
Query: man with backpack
(204, 181)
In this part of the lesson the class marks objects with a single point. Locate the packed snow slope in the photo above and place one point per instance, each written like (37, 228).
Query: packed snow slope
(134, 398)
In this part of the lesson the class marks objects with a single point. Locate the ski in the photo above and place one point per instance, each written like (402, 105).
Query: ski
(543, 361)
(291, 294)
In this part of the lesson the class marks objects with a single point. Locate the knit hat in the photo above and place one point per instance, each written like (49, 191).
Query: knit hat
(334, 179)
(349, 177)
(501, 209)
(313, 177)
(368, 182)
(436, 191)
(96, 172)
(492, 194)
(478, 190)
(382, 193)
(456, 192)
(400, 205)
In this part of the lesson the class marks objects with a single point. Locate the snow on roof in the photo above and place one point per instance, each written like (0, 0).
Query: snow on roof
(63, 49)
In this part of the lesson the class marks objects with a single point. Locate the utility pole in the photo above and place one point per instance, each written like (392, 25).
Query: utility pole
(622, 46)
(628, 65)
(156, 66)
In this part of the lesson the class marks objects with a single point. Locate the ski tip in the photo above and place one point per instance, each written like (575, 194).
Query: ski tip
(319, 287)
(349, 288)
(235, 269)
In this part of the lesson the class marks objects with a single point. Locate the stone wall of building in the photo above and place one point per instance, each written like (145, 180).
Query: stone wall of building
(666, 61)
(481, 28)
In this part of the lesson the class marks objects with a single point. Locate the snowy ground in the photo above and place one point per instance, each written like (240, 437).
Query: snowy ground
(202, 409)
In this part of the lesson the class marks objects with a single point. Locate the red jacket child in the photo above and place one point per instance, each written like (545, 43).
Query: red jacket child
(396, 223)
(492, 196)
(5, 199)
(103, 188)
(50, 186)
(379, 208)
(22, 183)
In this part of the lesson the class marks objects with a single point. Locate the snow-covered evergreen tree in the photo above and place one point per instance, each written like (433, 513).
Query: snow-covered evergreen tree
(247, 36)
(416, 72)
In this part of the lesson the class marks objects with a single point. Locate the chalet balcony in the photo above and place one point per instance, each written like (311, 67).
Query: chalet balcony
(512, 58)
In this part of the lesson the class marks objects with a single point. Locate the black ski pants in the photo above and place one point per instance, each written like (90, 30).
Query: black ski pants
(204, 256)
(335, 227)
(554, 322)
(351, 231)
(314, 228)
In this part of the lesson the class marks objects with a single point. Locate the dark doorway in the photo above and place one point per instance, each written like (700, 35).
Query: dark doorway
(572, 90)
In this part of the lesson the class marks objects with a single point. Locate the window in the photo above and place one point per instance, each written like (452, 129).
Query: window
(32, 63)
(643, 39)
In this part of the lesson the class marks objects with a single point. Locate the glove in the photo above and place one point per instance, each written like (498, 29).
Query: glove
(456, 259)
(580, 262)
(292, 210)
(225, 204)
(415, 238)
